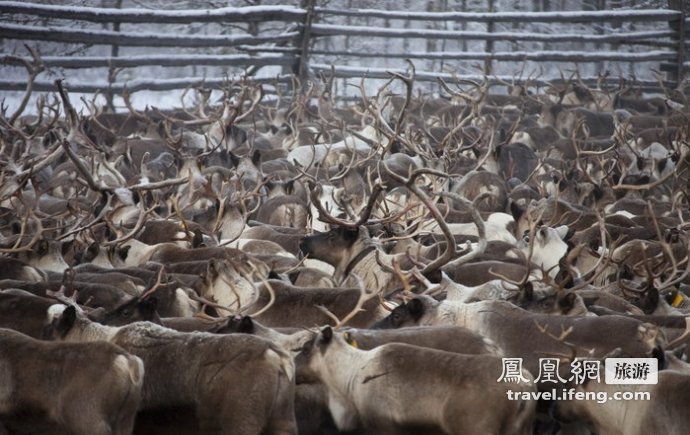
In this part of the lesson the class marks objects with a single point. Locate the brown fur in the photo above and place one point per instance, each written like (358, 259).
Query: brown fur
(238, 384)
(87, 388)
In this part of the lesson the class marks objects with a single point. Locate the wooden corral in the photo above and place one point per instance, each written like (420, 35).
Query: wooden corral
(113, 47)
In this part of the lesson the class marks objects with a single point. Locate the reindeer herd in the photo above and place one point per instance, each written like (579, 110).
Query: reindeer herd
(288, 264)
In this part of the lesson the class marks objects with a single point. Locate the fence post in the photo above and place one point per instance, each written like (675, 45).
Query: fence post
(489, 48)
(112, 71)
(677, 74)
(303, 65)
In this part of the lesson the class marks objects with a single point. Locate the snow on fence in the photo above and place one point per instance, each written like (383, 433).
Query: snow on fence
(271, 43)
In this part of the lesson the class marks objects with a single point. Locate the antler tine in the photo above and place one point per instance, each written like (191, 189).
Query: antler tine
(409, 83)
(143, 213)
(600, 265)
(271, 300)
(363, 297)
(672, 344)
(481, 231)
(38, 232)
(507, 279)
(325, 216)
(61, 297)
(156, 285)
(451, 250)
(254, 103)
(34, 68)
(562, 338)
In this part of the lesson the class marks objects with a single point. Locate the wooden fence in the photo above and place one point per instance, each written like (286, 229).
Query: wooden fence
(230, 43)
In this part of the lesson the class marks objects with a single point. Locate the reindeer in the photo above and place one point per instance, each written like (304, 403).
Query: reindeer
(86, 388)
(350, 250)
(359, 382)
(25, 312)
(519, 332)
(195, 370)
(658, 408)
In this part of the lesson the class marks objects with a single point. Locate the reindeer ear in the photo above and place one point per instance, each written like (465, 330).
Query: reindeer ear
(66, 321)
(66, 246)
(234, 159)
(123, 252)
(660, 356)
(91, 252)
(661, 164)
(256, 158)
(415, 307)
(148, 307)
(326, 334)
(650, 300)
(562, 185)
(516, 211)
(567, 301)
(224, 156)
(212, 268)
(528, 291)
(237, 324)
(246, 325)
(198, 239)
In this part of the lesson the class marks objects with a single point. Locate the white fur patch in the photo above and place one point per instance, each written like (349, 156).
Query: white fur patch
(131, 367)
(55, 311)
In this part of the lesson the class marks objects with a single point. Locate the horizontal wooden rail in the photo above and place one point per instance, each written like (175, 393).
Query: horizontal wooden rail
(515, 56)
(644, 15)
(143, 39)
(138, 85)
(155, 60)
(111, 15)
(385, 73)
(362, 31)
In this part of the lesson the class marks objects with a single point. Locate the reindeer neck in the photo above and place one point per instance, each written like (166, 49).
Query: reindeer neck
(347, 356)
(92, 331)
(357, 259)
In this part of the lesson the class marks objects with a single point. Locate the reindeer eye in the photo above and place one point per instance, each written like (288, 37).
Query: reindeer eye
(126, 312)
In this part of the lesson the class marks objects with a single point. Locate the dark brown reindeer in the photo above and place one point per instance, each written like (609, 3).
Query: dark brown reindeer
(84, 388)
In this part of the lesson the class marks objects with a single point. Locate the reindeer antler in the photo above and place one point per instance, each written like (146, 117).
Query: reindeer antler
(325, 216)
(451, 250)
